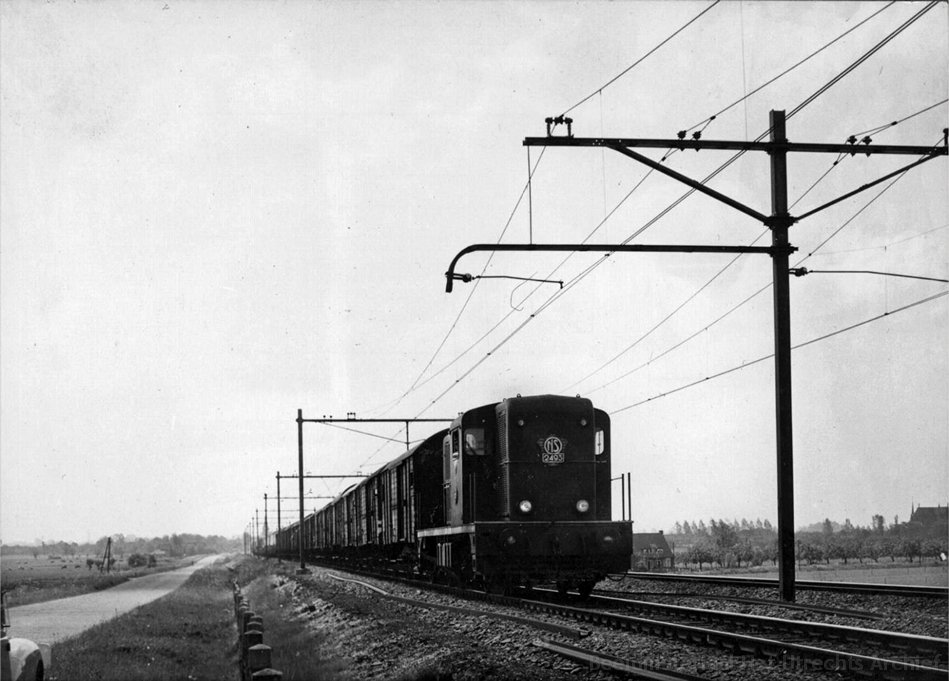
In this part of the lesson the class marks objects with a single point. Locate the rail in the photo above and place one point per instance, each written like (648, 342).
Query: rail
(912, 645)
(821, 609)
(597, 661)
(795, 655)
(802, 585)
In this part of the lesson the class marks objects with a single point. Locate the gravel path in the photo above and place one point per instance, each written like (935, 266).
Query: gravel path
(53, 621)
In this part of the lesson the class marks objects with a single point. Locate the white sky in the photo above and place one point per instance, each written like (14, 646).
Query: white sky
(215, 213)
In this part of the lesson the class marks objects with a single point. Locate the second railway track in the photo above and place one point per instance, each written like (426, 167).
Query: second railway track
(796, 644)
(938, 592)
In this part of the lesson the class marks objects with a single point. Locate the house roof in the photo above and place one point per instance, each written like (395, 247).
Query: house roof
(654, 542)
(928, 515)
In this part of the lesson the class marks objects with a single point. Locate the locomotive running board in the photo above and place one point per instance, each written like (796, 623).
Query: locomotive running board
(471, 527)
(446, 531)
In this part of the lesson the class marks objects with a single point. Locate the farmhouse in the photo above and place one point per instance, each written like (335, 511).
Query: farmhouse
(651, 552)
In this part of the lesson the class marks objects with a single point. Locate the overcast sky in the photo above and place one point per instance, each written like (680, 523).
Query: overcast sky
(216, 213)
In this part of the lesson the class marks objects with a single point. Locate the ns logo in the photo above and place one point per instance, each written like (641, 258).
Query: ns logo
(552, 449)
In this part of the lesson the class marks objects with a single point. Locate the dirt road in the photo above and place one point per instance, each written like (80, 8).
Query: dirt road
(54, 621)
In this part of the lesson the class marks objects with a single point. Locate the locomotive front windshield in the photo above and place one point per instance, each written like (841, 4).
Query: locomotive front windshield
(474, 441)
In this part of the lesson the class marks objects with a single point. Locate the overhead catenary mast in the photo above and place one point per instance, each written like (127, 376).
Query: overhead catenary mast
(778, 221)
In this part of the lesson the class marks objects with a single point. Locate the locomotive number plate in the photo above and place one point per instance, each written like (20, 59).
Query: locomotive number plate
(552, 450)
(552, 458)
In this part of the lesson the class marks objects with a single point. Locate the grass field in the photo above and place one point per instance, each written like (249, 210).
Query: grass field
(884, 572)
(34, 580)
(188, 634)
(894, 573)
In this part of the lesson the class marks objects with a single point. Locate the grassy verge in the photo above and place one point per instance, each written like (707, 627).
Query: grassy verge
(298, 651)
(187, 635)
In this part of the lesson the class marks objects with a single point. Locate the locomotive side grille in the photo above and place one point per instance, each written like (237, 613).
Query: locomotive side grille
(504, 486)
(502, 436)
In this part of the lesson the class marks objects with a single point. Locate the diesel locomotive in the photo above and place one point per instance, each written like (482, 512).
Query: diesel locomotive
(514, 492)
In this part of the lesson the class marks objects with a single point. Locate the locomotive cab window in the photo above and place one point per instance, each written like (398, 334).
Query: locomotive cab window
(600, 442)
(446, 457)
(456, 444)
(474, 442)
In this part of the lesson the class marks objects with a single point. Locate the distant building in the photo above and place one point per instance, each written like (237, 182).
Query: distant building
(929, 516)
(651, 552)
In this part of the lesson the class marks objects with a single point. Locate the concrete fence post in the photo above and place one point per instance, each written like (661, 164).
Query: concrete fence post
(255, 657)
(258, 657)
(249, 640)
(245, 619)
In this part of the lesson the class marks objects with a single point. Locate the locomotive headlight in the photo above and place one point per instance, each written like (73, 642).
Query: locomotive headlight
(525, 506)
(583, 506)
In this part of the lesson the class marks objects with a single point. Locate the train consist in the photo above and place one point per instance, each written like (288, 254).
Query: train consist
(512, 492)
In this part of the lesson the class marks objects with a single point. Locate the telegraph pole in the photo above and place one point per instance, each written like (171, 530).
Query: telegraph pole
(266, 527)
(779, 222)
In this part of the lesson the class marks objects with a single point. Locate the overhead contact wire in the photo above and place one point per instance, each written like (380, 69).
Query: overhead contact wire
(767, 357)
(735, 157)
(752, 296)
(641, 59)
(873, 131)
(684, 196)
(727, 163)
(788, 70)
(843, 74)
(471, 293)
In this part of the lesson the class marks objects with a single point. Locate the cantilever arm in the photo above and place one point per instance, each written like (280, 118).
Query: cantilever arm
(450, 275)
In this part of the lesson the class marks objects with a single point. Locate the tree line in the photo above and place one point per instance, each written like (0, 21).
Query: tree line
(747, 543)
(175, 545)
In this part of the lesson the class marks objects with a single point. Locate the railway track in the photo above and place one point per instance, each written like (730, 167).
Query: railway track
(919, 656)
(840, 612)
(801, 645)
(596, 661)
(590, 658)
(904, 644)
(803, 585)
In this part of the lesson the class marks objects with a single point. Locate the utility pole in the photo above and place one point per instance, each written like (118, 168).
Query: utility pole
(779, 221)
(302, 569)
(266, 528)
